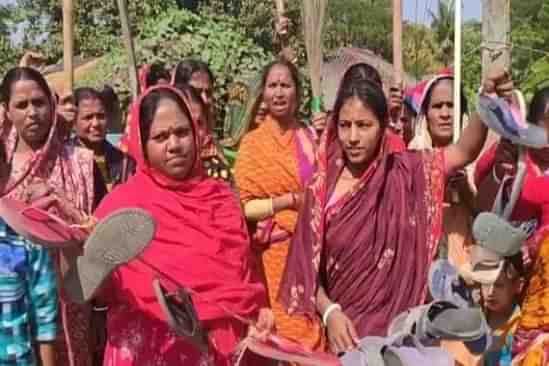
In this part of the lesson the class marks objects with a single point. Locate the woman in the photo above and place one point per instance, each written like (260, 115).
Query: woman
(41, 165)
(92, 121)
(434, 128)
(200, 242)
(530, 345)
(371, 220)
(28, 299)
(198, 75)
(211, 153)
(500, 160)
(275, 163)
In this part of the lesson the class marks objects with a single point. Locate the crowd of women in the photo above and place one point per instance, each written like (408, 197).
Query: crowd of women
(321, 235)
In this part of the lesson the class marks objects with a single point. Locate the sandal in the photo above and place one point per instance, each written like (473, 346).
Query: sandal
(181, 316)
(39, 226)
(116, 240)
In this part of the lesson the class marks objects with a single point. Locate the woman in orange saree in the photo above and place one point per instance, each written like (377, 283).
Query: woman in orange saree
(274, 165)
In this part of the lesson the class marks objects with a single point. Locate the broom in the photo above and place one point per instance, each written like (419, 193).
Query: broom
(313, 12)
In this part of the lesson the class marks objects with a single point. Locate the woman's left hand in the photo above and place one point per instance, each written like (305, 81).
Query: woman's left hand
(264, 325)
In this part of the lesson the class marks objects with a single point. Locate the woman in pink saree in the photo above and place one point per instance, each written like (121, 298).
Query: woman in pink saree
(371, 220)
(41, 164)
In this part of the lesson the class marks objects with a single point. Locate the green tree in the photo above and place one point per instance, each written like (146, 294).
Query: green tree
(442, 24)
(419, 50)
(96, 24)
(360, 23)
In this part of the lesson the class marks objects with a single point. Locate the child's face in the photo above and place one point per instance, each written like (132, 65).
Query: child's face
(500, 297)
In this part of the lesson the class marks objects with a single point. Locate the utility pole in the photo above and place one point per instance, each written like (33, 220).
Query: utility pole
(496, 31)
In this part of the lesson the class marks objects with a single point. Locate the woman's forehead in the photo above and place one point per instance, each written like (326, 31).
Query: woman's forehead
(23, 89)
(279, 72)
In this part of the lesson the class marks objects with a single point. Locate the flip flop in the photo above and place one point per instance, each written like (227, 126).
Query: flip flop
(116, 240)
(368, 353)
(282, 349)
(39, 226)
(415, 354)
(446, 284)
(398, 350)
(442, 320)
(499, 235)
(499, 116)
(181, 316)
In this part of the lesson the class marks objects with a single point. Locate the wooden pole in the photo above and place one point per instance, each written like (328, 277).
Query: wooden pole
(457, 70)
(496, 29)
(397, 40)
(68, 44)
(128, 44)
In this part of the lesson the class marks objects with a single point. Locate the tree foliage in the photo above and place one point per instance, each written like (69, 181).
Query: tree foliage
(177, 34)
(97, 24)
(442, 24)
(419, 49)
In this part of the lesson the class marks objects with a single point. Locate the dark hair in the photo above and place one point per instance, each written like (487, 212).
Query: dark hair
(362, 71)
(192, 94)
(107, 97)
(185, 69)
(294, 73)
(370, 94)
(149, 106)
(86, 93)
(157, 71)
(429, 95)
(538, 105)
(514, 266)
(22, 73)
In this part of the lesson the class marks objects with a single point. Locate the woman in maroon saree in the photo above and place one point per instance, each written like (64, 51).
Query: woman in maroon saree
(371, 220)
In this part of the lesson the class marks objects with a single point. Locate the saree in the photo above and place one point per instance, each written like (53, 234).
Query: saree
(457, 238)
(69, 171)
(201, 243)
(371, 249)
(270, 164)
(531, 343)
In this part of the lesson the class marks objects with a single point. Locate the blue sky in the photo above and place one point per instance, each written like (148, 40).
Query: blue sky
(471, 9)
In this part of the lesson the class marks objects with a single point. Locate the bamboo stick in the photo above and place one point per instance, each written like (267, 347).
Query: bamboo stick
(68, 44)
(397, 40)
(128, 44)
(457, 71)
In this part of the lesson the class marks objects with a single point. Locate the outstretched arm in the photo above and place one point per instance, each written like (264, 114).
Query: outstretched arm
(470, 144)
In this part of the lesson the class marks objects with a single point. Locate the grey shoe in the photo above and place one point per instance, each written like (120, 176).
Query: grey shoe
(497, 234)
(442, 320)
(116, 240)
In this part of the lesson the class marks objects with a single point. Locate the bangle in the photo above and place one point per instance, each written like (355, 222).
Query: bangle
(100, 309)
(495, 176)
(328, 311)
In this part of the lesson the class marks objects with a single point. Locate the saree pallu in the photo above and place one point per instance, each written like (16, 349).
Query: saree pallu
(269, 164)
